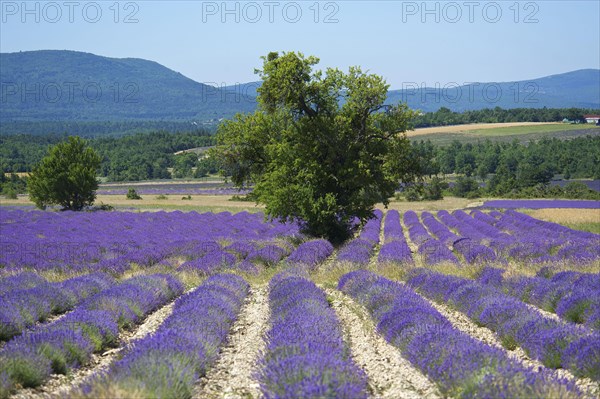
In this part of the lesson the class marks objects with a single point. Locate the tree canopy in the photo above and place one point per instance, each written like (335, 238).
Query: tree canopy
(322, 149)
(66, 177)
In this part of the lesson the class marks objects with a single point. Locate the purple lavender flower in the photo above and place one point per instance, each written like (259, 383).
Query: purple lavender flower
(311, 253)
(515, 323)
(169, 362)
(305, 354)
(461, 365)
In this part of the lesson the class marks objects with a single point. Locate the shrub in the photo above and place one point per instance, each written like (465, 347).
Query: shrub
(466, 187)
(433, 191)
(132, 194)
(10, 193)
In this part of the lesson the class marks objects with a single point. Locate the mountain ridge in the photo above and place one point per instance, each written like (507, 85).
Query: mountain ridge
(58, 85)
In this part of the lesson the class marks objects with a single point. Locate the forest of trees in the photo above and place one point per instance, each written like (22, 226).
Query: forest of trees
(441, 117)
(445, 116)
(140, 156)
(92, 129)
(512, 169)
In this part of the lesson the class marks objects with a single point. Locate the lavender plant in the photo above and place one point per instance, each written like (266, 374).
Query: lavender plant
(515, 323)
(311, 253)
(359, 250)
(395, 248)
(22, 308)
(29, 359)
(305, 355)
(462, 366)
(168, 363)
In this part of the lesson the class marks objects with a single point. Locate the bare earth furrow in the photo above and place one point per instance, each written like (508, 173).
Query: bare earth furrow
(389, 375)
(60, 385)
(466, 325)
(232, 375)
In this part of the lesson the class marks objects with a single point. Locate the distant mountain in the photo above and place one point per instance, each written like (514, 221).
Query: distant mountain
(59, 86)
(68, 85)
(245, 90)
(577, 89)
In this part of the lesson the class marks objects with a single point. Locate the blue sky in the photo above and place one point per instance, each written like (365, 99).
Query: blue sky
(405, 41)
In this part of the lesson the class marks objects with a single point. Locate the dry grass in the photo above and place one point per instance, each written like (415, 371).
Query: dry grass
(176, 201)
(448, 203)
(200, 203)
(220, 203)
(577, 219)
(473, 126)
(567, 215)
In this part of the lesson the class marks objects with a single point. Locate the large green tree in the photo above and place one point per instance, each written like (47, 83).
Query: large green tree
(66, 176)
(322, 148)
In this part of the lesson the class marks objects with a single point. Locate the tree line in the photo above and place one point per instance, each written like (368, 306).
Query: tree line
(444, 116)
(481, 168)
(92, 129)
(510, 169)
(140, 156)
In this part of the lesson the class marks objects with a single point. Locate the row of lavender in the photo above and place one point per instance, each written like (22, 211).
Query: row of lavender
(556, 344)
(93, 326)
(459, 364)
(305, 356)
(395, 248)
(497, 237)
(28, 298)
(168, 363)
(74, 242)
(359, 250)
(573, 296)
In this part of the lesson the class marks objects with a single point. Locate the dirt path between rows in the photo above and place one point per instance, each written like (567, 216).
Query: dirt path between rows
(59, 386)
(462, 322)
(232, 375)
(389, 375)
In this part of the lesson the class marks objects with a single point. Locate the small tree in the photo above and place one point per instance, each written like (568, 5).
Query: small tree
(66, 176)
(322, 149)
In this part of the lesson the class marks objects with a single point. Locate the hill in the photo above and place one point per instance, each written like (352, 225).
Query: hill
(577, 89)
(67, 86)
(54, 85)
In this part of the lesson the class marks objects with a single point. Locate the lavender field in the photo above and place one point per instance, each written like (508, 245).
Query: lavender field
(459, 304)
